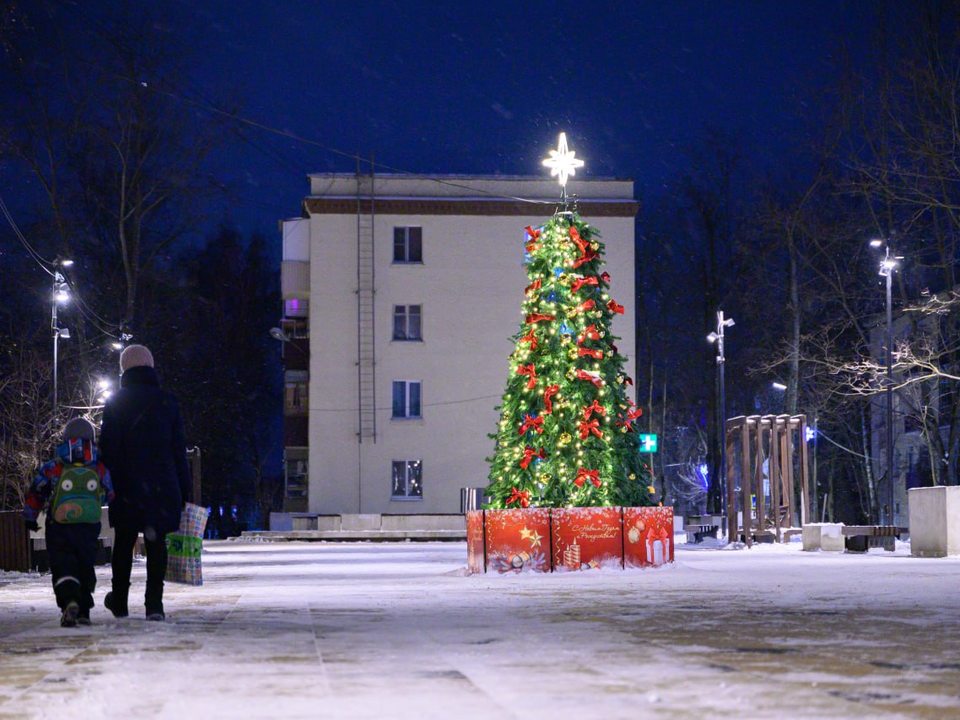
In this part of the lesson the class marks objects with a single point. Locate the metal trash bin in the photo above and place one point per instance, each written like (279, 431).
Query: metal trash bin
(471, 499)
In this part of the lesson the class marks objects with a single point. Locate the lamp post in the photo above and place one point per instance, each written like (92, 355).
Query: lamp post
(59, 295)
(887, 267)
(718, 337)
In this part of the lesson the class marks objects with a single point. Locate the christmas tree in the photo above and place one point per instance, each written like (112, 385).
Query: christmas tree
(568, 430)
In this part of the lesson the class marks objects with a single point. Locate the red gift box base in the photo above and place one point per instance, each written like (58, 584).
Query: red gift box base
(568, 539)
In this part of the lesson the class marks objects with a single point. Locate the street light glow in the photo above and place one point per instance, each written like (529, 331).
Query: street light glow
(876, 243)
(712, 337)
(779, 386)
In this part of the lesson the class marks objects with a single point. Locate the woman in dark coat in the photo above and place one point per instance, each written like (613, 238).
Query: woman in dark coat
(142, 444)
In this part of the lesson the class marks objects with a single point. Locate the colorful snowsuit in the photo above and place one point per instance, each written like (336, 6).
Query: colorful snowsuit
(71, 488)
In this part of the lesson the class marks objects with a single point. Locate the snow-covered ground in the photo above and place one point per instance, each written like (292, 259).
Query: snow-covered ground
(396, 630)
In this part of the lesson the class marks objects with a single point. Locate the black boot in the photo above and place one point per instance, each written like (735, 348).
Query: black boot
(116, 602)
(70, 614)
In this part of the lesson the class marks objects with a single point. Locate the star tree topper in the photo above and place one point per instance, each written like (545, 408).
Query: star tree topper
(562, 162)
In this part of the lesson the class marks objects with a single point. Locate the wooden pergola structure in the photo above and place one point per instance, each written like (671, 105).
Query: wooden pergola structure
(766, 509)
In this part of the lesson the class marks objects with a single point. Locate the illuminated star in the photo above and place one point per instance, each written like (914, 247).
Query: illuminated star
(562, 161)
(533, 536)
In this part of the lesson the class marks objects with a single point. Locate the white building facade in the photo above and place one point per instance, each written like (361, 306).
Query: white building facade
(409, 290)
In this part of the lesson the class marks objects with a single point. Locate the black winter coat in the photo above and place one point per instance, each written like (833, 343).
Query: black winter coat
(142, 444)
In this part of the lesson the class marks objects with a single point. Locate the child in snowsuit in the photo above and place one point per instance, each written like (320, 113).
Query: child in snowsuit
(71, 487)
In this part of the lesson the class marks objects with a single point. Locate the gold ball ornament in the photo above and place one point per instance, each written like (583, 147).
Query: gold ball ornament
(632, 476)
(620, 379)
(573, 353)
(595, 246)
(570, 375)
(563, 279)
(572, 312)
(565, 439)
(597, 314)
(602, 333)
(566, 339)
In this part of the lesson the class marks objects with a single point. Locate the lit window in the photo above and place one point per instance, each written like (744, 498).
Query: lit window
(296, 390)
(295, 308)
(408, 245)
(406, 322)
(407, 480)
(406, 399)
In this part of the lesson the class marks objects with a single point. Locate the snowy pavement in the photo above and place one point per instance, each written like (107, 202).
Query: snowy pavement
(304, 630)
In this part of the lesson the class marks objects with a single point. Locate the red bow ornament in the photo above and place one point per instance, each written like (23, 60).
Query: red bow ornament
(536, 317)
(590, 377)
(589, 334)
(582, 307)
(579, 241)
(530, 338)
(587, 256)
(580, 282)
(529, 454)
(531, 423)
(583, 475)
(591, 426)
(528, 370)
(594, 407)
(535, 285)
(613, 307)
(521, 497)
(547, 395)
(534, 234)
(595, 354)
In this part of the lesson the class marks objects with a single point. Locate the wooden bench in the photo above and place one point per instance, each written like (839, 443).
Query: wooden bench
(696, 533)
(860, 538)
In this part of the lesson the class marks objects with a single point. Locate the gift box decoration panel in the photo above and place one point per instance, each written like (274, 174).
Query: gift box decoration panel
(647, 536)
(518, 540)
(475, 554)
(587, 538)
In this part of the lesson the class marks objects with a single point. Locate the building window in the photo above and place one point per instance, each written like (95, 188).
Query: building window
(296, 308)
(408, 245)
(407, 480)
(406, 399)
(296, 389)
(295, 473)
(406, 322)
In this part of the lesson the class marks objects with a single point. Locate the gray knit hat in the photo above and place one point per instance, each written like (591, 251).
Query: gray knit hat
(80, 429)
(135, 356)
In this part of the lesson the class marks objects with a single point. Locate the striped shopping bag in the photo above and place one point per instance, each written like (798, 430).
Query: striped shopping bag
(185, 545)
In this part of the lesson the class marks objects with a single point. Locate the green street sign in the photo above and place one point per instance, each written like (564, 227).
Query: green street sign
(648, 443)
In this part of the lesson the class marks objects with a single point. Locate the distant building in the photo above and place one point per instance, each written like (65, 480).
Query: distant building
(401, 294)
(933, 399)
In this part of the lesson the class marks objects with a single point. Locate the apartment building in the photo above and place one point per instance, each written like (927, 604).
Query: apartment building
(401, 294)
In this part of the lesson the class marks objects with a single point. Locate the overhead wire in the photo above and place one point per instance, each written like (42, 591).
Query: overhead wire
(207, 106)
(37, 258)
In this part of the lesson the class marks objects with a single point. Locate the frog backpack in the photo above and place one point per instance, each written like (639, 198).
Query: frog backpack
(77, 495)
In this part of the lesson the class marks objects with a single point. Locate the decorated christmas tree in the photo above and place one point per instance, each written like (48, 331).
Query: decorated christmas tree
(567, 435)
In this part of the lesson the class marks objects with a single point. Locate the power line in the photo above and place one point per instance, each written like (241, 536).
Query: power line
(386, 409)
(308, 141)
(37, 258)
(845, 449)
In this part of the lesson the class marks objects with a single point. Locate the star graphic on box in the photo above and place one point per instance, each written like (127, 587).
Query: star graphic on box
(532, 535)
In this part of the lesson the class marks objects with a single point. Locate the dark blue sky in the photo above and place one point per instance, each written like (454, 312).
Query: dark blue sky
(484, 87)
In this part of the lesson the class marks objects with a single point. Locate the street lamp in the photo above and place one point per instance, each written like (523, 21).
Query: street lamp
(60, 294)
(888, 266)
(717, 337)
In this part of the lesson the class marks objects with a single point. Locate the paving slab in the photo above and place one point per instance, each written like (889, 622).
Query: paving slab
(372, 630)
